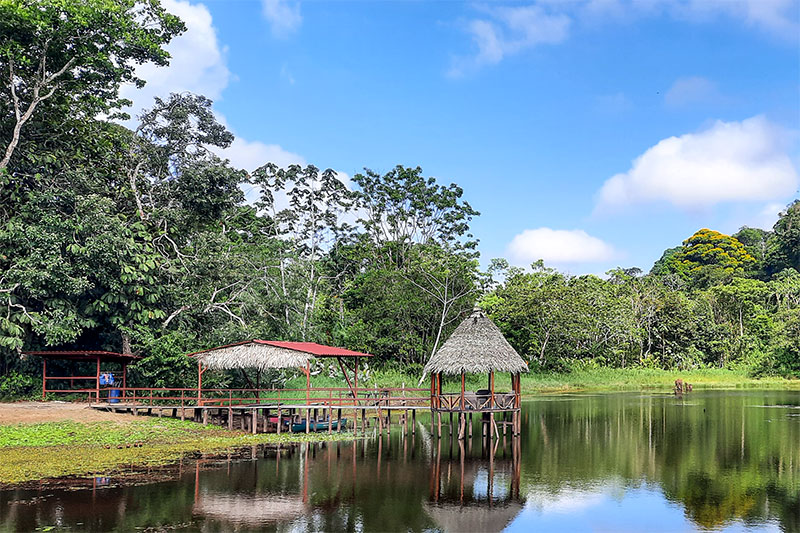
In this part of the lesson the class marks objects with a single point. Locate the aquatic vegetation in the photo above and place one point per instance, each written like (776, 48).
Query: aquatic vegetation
(56, 449)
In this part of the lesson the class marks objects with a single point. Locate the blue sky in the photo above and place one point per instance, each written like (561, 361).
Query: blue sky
(588, 133)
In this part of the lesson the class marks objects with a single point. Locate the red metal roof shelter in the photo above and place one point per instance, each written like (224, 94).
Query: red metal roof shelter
(317, 350)
(246, 354)
(97, 356)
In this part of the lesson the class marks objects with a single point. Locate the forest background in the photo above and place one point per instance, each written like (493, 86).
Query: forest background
(131, 234)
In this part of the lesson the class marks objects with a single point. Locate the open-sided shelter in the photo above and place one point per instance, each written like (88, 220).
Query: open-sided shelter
(263, 355)
(477, 346)
(98, 357)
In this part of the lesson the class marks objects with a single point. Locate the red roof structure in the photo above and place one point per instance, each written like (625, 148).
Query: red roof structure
(312, 348)
(96, 356)
(88, 355)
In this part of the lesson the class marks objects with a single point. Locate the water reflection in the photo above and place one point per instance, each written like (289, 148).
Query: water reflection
(609, 462)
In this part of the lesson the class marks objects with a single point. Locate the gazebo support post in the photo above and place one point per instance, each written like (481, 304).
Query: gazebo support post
(97, 386)
(308, 383)
(44, 378)
(199, 380)
(491, 390)
(463, 384)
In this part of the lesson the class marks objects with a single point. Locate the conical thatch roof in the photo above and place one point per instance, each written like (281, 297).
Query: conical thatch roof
(476, 347)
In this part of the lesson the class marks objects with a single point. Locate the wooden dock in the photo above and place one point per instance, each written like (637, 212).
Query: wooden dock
(273, 418)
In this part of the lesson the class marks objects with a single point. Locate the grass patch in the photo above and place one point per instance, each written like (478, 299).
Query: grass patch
(597, 379)
(29, 452)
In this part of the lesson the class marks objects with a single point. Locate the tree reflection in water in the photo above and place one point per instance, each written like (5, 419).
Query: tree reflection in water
(708, 460)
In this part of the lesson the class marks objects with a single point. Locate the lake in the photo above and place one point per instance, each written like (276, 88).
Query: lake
(716, 460)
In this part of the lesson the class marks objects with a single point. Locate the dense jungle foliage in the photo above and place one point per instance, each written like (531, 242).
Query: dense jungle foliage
(138, 237)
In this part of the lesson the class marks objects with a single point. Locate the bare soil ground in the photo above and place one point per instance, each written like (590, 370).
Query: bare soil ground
(38, 412)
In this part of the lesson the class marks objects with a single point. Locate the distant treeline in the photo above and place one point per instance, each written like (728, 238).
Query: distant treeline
(716, 300)
(139, 238)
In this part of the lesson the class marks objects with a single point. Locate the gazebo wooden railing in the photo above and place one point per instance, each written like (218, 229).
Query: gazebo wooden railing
(475, 401)
(328, 396)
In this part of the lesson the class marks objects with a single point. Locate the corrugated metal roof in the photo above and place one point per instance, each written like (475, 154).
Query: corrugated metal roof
(319, 350)
(78, 353)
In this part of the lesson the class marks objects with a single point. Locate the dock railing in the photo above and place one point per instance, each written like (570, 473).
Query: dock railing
(377, 397)
(475, 401)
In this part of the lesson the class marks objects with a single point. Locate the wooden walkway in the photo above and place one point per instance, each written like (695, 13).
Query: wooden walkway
(272, 418)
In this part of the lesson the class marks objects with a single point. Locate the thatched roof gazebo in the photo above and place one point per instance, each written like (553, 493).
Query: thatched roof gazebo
(477, 346)
(263, 354)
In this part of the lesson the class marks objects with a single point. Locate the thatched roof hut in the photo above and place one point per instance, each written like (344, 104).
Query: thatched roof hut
(476, 347)
(261, 354)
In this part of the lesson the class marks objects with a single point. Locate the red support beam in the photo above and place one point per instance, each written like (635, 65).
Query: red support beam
(346, 377)
(44, 379)
(463, 384)
(491, 388)
(97, 390)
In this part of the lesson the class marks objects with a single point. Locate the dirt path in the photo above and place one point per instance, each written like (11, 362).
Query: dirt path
(37, 412)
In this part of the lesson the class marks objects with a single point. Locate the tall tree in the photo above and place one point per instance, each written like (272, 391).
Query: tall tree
(69, 58)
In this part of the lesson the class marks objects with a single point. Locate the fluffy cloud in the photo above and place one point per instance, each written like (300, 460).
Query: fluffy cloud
(250, 155)
(508, 30)
(558, 246)
(283, 16)
(777, 17)
(690, 90)
(728, 162)
(503, 31)
(197, 65)
(767, 216)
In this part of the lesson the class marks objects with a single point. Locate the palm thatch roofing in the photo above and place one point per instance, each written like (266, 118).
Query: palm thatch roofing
(262, 355)
(476, 347)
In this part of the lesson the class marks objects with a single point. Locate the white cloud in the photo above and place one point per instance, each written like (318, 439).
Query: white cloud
(504, 31)
(283, 16)
(197, 64)
(249, 155)
(767, 216)
(509, 30)
(690, 90)
(728, 162)
(558, 246)
(777, 17)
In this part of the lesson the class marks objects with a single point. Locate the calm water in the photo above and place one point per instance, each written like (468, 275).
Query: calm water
(615, 462)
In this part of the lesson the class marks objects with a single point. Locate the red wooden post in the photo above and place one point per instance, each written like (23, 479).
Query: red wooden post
(308, 384)
(491, 388)
(124, 377)
(199, 380)
(433, 390)
(98, 379)
(44, 378)
(462, 390)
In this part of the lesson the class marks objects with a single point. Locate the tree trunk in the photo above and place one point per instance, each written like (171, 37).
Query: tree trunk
(126, 343)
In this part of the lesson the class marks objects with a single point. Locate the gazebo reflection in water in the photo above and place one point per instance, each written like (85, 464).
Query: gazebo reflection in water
(473, 485)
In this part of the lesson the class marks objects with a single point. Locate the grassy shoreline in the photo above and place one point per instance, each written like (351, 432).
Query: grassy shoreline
(596, 380)
(31, 452)
(631, 379)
